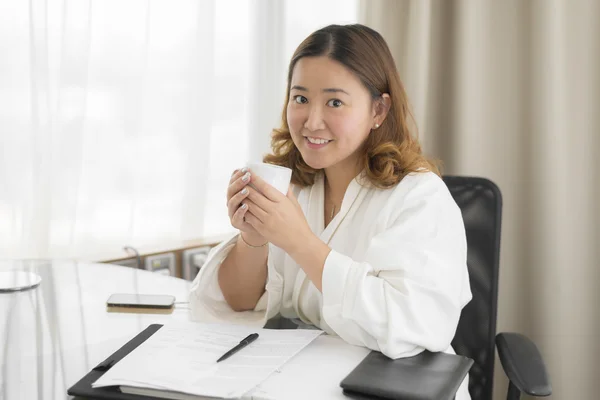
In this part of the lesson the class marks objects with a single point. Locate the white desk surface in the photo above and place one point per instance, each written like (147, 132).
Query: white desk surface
(54, 334)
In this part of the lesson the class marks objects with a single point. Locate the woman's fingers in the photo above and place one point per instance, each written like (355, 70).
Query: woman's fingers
(238, 182)
(258, 198)
(267, 190)
(237, 173)
(237, 219)
(237, 192)
(253, 221)
(257, 211)
(234, 202)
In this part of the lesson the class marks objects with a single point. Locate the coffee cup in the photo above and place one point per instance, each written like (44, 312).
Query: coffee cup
(275, 175)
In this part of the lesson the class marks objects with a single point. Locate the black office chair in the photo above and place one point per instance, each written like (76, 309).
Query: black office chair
(480, 201)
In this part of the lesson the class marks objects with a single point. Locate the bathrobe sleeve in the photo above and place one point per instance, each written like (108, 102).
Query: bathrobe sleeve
(407, 293)
(207, 303)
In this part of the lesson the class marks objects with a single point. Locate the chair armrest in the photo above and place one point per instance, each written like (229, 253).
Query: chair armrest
(523, 364)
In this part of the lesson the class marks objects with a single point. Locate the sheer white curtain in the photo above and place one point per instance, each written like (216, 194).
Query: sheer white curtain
(120, 122)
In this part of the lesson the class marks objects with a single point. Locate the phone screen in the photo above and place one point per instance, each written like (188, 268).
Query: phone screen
(140, 300)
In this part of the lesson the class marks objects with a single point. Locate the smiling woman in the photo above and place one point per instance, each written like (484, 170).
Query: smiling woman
(339, 97)
(331, 112)
(368, 243)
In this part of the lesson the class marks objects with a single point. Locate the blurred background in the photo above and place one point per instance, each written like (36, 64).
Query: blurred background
(121, 122)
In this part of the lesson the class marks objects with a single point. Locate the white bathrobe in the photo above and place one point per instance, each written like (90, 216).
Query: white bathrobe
(395, 280)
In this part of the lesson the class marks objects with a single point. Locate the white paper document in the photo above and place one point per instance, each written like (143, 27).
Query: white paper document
(324, 364)
(182, 357)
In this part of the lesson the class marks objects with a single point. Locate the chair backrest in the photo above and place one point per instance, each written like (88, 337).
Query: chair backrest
(480, 201)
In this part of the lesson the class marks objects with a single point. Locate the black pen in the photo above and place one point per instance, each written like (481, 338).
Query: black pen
(245, 342)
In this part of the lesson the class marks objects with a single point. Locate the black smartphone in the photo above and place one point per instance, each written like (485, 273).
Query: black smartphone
(159, 301)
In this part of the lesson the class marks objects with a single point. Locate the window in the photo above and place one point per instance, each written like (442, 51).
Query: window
(120, 122)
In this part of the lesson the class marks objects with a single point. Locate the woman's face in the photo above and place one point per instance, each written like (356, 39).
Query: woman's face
(330, 113)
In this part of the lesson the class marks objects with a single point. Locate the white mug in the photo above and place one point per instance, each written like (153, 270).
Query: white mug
(274, 175)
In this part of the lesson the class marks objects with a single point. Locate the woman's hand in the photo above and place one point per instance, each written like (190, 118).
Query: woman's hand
(237, 192)
(278, 218)
(281, 221)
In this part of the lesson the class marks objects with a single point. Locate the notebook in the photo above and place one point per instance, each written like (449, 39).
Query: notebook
(426, 376)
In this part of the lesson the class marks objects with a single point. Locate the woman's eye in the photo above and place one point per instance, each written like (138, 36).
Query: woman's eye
(334, 103)
(300, 99)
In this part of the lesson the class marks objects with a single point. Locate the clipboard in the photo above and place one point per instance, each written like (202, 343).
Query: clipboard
(376, 377)
(83, 388)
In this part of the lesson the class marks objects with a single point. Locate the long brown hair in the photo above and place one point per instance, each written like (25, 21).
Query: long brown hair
(389, 152)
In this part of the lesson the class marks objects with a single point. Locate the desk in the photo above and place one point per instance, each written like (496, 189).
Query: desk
(54, 334)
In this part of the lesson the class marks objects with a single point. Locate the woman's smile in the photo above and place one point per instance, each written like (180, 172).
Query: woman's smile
(316, 143)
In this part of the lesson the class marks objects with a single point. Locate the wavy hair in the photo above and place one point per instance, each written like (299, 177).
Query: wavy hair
(390, 152)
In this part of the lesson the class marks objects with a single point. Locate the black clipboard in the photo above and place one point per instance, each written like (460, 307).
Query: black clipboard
(84, 389)
(376, 377)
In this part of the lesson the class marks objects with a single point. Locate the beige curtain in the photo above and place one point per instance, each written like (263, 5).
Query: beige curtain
(510, 90)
